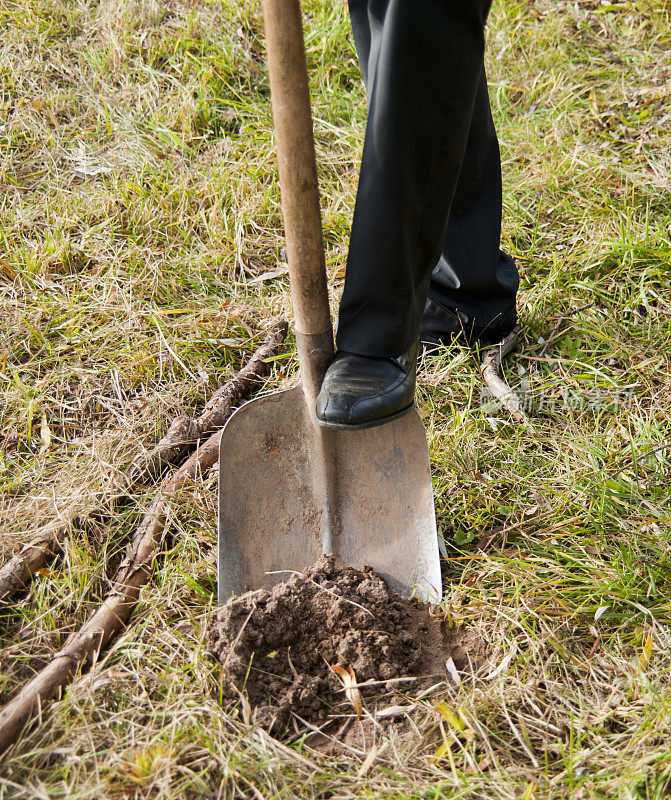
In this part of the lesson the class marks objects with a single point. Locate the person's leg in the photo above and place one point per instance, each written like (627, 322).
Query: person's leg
(474, 285)
(423, 65)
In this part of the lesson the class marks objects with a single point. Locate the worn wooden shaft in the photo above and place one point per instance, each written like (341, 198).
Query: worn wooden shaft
(292, 117)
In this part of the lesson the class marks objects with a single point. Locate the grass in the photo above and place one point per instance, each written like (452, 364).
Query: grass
(139, 201)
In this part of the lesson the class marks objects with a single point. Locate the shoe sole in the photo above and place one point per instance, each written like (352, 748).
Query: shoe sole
(344, 426)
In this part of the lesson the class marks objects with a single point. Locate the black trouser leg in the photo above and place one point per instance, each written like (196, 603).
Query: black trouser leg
(474, 284)
(423, 67)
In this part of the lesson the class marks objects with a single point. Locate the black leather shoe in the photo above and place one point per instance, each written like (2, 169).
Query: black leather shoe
(361, 392)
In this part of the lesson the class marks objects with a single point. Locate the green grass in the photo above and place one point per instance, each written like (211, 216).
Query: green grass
(139, 200)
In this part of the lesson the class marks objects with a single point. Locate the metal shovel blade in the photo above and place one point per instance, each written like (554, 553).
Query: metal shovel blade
(271, 511)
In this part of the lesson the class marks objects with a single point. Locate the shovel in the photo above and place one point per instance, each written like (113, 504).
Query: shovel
(290, 490)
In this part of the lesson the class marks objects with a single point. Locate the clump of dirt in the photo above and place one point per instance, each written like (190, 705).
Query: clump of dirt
(279, 646)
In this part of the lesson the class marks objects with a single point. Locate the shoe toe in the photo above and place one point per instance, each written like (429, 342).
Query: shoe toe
(335, 406)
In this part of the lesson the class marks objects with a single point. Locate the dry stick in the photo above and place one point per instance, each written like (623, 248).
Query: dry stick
(490, 369)
(134, 571)
(182, 435)
(555, 331)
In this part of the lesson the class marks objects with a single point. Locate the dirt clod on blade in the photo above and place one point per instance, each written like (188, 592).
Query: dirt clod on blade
(278, 646)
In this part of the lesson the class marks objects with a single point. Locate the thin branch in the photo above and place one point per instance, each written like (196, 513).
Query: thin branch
(562, 319)
(490, 369)
(638, 459)
(180, 439)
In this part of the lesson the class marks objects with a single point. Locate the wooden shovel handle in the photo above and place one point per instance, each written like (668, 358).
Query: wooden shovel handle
(300, 192)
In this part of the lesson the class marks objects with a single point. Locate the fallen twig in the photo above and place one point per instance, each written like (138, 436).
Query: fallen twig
(84, 646)
(490, 369)
(638, 459)
(554, 334)
(181, 437)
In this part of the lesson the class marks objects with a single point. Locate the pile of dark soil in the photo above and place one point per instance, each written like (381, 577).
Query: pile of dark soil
(278, 646)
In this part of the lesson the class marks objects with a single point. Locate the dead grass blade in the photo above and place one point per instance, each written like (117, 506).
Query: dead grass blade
(352, 693)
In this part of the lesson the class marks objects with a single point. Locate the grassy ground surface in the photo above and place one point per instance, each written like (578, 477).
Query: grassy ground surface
(138, 206)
